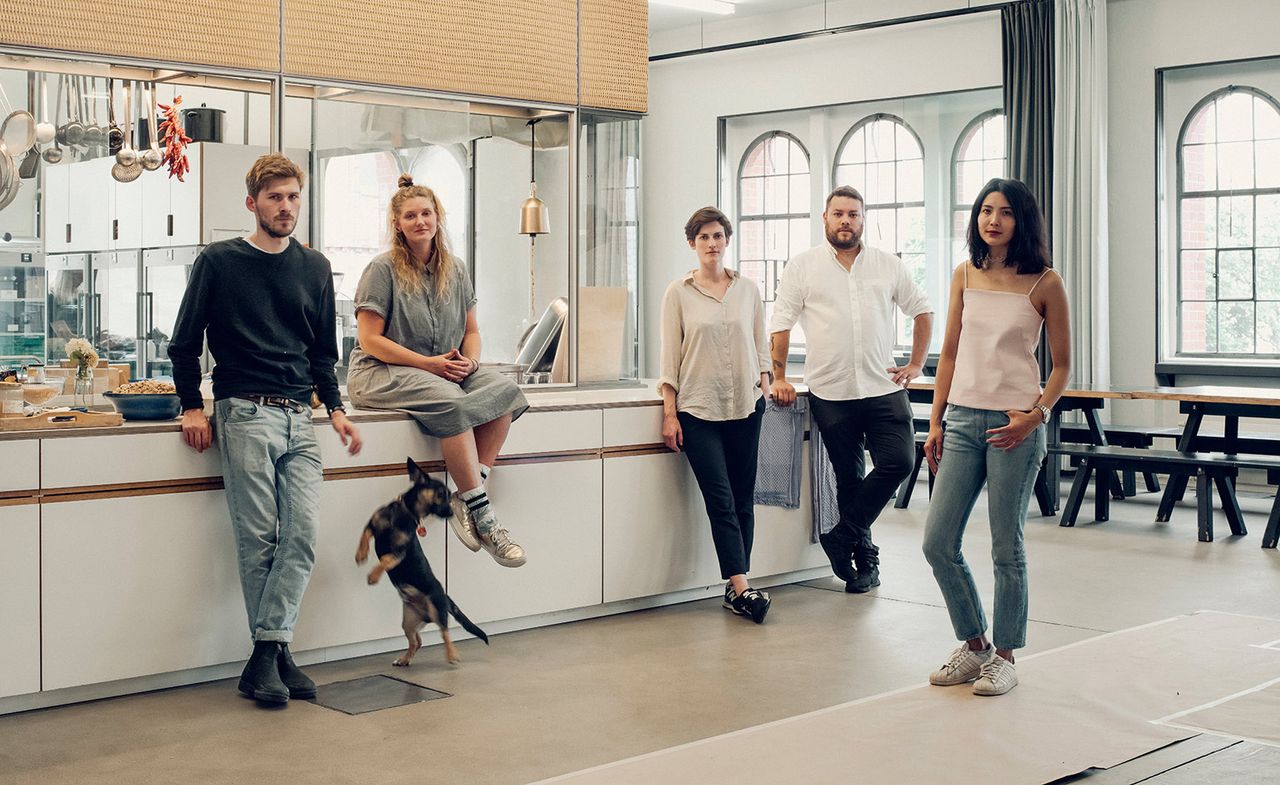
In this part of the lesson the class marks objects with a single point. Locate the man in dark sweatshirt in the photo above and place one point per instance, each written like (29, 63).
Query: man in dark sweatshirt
(266, 304)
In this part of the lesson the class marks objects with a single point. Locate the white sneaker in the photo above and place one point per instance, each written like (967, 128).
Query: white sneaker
(499, 545)
(998, 676)
(962, 667)
(462, 524)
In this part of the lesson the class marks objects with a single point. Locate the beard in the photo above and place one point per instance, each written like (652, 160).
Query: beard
(270, 226)
(833, 237)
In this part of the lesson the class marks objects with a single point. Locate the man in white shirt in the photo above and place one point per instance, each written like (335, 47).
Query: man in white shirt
(843, 293)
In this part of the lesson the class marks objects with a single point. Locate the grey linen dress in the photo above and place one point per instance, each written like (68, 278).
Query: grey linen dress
(429, 325)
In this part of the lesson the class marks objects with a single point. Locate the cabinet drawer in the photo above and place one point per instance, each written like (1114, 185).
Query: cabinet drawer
(634, 425)
(539, 432)
(21, 462)
(73, 461)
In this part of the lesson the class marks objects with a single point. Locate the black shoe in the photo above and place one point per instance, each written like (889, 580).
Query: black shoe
(864, 581)
(752, 603)
(261, 677)
(866, 560)
(297, 682)
(840, 556)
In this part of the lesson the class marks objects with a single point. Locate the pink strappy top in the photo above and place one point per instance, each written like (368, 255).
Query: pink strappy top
(996, 366)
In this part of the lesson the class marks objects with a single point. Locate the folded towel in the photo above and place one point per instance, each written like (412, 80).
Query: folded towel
(822, 479)
(780, 455)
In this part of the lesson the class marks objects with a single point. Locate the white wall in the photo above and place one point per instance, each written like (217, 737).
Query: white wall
(1144, 35)
(687, 95)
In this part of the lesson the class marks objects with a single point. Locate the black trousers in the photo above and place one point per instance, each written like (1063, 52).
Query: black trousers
(723, 455)
(882, 426)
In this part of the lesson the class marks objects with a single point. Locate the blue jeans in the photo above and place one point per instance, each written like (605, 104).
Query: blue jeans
(272, 472)
(1010, 475)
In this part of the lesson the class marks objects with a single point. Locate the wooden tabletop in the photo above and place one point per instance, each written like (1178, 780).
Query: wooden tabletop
(926, 383)
(1258, 396)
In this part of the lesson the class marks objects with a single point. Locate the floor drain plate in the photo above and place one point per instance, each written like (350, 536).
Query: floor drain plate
(372, 693)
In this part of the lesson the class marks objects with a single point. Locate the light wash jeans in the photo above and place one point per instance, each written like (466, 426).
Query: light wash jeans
(272, 472)
(1010, 476)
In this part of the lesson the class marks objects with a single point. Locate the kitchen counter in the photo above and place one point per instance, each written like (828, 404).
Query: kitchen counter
(126, 530)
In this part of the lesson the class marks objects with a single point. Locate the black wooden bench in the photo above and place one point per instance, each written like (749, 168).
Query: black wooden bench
(908, 485)
(1210, 470)
(1120, 436)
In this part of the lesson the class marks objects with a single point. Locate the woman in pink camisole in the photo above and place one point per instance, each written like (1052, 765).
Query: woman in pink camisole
(988, 387)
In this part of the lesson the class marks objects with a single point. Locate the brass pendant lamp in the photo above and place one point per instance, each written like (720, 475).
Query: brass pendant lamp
(534, 219)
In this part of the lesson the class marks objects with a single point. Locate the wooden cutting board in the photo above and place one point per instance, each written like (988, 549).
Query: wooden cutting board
(47, 420)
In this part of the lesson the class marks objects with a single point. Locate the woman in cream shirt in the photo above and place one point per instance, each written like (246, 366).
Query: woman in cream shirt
(715, 363)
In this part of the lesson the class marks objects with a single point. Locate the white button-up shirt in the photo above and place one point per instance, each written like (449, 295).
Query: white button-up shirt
(847, 317)
(714, 350)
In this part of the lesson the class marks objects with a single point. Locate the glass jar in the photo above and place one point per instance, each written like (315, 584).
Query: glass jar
(83, 391)
(10, 399)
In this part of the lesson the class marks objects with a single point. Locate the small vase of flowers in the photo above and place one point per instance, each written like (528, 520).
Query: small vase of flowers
(82, 353)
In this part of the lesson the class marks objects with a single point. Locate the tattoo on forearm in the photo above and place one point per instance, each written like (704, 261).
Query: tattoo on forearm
(779, 366)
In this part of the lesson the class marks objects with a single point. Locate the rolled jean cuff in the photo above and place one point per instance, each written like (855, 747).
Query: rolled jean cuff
(274, 636)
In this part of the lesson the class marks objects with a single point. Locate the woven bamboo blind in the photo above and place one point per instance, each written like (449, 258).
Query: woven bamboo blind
(615, 54)
(244, 34)
(522, 50)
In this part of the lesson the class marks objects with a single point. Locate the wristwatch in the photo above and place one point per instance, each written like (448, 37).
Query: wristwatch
(338, 408)
(1045, 411)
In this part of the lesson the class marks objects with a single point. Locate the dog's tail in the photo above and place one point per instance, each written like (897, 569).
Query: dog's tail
(466, 623)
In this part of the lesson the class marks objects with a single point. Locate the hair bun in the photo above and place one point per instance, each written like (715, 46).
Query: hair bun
(405, 181)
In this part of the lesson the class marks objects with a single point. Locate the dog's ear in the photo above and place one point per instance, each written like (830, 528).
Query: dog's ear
(415, 472)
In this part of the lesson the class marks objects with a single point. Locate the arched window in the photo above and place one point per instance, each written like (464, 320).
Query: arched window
(979, 156)
(1229, 226)
(883, 158)
(773, 212)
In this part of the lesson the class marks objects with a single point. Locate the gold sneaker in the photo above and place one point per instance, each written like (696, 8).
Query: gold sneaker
(462, 524)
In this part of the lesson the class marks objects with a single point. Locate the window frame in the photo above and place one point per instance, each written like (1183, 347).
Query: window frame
(797, 350)
(956, 207)
(1217, 361)
(868, 206)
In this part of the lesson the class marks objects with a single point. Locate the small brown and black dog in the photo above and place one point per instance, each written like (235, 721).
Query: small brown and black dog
(395, 529)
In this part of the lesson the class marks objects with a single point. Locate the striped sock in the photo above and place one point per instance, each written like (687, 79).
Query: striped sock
(477, 502)
(485, 471)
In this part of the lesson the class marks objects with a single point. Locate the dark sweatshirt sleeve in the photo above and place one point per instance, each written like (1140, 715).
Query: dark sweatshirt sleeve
(187, 343)
(323, 352)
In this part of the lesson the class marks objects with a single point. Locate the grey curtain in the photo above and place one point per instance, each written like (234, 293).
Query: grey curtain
(1028, 103)
(1028, 97)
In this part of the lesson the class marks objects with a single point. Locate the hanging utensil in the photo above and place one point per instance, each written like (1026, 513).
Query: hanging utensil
(152, 159)
(127, 167)
(45, 130)
(115, 137)
(127, 155)
(73, 131)
(93, 133)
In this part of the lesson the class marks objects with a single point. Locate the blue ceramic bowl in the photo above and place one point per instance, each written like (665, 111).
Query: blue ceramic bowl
(142, 406)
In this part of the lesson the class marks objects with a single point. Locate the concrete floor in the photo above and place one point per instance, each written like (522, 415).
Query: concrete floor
(554, 700)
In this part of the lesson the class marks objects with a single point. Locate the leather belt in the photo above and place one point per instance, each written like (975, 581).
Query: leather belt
(278, 401)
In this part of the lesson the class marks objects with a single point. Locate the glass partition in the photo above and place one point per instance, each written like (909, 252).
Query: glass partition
(114, 229)
(608, 248)
(90, 250)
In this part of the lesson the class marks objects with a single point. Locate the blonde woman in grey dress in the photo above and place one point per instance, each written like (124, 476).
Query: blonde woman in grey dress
(419, 351)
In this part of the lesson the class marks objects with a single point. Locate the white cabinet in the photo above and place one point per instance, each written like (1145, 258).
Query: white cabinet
(91, 205)
(656, 535)
(85, 209)
(56, 207)
(20, 600)
(553, 511)
(78, 205)
(138, 585)
(21, 462)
